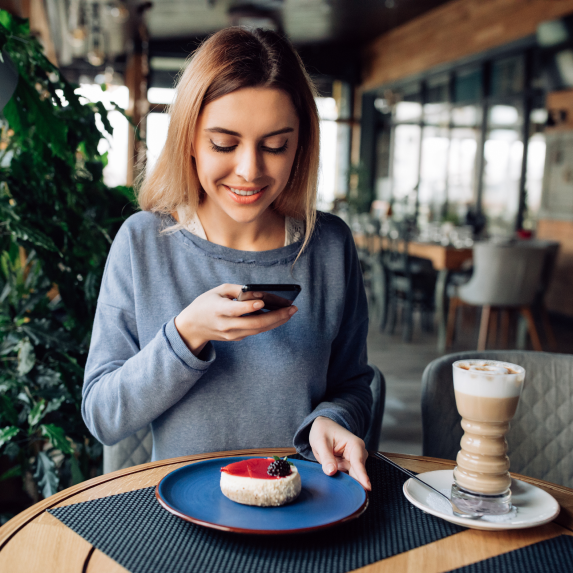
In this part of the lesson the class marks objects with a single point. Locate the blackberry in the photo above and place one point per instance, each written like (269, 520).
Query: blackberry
(279, 468)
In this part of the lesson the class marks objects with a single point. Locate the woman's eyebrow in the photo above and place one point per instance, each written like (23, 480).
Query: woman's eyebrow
(229, 132)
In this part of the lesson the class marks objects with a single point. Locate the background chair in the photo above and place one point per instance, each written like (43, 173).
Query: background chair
(540, 309)
(136, 449)
(540, 435)
(378, 387)
(410, 285)
(131, 451)
(505, 276)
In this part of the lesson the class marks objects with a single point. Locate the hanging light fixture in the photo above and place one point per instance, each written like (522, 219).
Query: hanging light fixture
(92, 30)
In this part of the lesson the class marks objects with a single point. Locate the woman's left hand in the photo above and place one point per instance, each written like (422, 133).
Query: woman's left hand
(337, 449)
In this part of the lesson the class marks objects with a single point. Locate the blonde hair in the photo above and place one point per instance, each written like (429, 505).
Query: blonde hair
(229, 60)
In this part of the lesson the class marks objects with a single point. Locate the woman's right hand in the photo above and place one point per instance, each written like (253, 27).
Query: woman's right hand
(214, 315)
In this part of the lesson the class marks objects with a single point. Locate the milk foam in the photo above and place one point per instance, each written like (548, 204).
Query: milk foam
(488, 378)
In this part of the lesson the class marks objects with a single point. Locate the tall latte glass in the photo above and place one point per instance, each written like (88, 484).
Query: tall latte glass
(487, 393)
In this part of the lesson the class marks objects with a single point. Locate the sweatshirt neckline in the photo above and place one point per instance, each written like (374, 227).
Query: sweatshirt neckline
(281, 255)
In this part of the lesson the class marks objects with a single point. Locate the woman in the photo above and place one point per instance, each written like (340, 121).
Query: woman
(231, 201)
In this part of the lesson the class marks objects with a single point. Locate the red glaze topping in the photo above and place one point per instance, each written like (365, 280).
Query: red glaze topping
(253, 468)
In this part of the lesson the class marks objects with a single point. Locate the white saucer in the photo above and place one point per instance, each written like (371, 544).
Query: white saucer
(534, 506)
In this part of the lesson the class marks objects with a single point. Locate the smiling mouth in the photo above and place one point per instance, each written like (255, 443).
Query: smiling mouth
(244, 193)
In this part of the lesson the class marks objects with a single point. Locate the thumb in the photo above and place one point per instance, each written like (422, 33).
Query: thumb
(323, 452)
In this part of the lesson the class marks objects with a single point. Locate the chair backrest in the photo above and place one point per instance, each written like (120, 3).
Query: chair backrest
(504, 274)
(378, 387)
(131, 451)
(551, 254)
(136, 449)
(541, 433)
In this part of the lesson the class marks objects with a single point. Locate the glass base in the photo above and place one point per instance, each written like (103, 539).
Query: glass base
(479, 503)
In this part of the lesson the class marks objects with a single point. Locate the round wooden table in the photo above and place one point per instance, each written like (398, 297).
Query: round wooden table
(35, 541)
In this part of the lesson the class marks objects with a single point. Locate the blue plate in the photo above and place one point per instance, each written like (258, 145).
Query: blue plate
(194, 494)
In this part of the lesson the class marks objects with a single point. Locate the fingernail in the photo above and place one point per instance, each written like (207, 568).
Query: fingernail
(330, 469)
(259, 304)
(292, 310)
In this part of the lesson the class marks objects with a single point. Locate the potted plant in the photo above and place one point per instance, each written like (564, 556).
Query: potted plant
(57, 221)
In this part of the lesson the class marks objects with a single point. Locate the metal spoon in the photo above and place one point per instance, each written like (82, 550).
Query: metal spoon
(457, 512)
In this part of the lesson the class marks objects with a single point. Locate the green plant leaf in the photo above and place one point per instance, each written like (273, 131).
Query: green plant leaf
(55, 205)
(12, 472)
(57, 438)
(13, 23)
(26, 110)
(54, 405)
(33, 236)
(7, 410)
(77, 475)
(7, 433)
(26, 357)
(43, 332)
(36, 413)
(103, 115)
(45, 475)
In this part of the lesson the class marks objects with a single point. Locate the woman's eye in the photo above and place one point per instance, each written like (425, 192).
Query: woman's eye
(221, 149)
(276, 150)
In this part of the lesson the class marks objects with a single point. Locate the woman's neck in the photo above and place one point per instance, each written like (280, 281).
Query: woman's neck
(263, 234)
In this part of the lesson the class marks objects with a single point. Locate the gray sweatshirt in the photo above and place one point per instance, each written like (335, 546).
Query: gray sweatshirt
(264, 391)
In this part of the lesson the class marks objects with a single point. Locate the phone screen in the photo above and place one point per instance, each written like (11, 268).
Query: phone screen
(275, 296)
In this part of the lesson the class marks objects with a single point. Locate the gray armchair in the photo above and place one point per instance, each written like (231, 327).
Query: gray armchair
(505, 276)
(131, 451)
(136, 449)
(540, 438)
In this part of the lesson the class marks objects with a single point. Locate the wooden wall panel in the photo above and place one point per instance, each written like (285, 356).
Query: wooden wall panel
(559, 297)
(453, 31)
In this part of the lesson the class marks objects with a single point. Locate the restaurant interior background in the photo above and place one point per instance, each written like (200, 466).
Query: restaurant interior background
(446, 121)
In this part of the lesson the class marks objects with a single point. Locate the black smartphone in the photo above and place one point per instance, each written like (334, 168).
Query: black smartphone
(275, 296)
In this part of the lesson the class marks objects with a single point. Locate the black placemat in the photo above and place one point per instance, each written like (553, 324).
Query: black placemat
(134, 530)
(552, 556)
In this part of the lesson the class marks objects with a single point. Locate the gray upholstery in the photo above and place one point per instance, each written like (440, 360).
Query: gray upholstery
(540, 438)
(136, 449)
(504, 274)
(132, 451)
(378, 387)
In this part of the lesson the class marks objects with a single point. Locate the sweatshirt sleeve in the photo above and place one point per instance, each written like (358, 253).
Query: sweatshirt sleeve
(125, 386)
(348, 399)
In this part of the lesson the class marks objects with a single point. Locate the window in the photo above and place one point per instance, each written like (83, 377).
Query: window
(446, 156)
(503, 155)
(115, 172)
(535, 166)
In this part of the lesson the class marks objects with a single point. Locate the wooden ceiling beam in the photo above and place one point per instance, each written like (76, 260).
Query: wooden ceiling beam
(451, 32)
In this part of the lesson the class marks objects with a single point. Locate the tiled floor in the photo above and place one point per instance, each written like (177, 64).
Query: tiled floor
(403, 364)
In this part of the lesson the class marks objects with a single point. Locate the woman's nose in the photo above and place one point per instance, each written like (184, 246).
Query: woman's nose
(248, 165)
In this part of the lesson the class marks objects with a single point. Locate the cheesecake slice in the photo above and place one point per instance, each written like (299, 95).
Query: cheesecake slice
(249, 482)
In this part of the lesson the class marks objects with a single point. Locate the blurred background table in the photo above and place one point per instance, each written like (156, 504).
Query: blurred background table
(35, 541)
(445, 260)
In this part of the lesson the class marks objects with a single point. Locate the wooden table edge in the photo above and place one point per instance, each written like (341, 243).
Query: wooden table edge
(12, 527)
(9, 529)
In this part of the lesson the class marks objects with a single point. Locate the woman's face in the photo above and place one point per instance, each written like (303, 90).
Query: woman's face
(244, 149)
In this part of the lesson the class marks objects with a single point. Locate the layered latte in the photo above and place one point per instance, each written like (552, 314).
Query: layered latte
(487, 393)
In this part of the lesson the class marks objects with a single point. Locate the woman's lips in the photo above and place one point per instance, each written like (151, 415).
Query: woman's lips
(245, 199)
